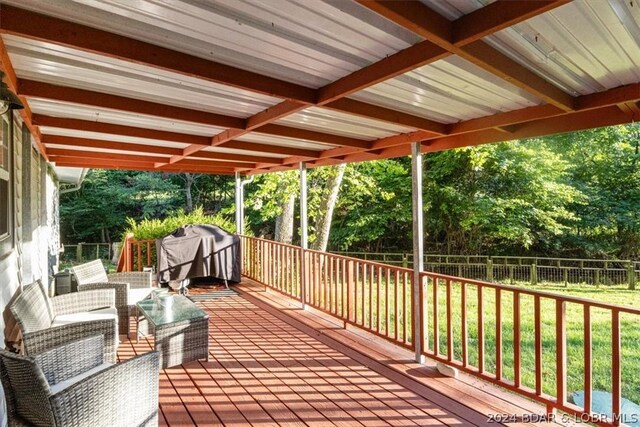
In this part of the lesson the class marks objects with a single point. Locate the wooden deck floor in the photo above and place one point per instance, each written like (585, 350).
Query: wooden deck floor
(269, 368)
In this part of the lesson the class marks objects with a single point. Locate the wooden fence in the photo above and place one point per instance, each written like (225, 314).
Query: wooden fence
(508, 269)
(521, 339)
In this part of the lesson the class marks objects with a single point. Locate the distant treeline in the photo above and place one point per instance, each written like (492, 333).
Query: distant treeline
(572, 195)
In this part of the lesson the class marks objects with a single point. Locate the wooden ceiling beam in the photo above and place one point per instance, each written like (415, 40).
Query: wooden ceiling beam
(133, 165)
(496, 17)
(33, 25)
(109, 128)
(153, 149)
(11, 80)
(435, 28)
(116, 157)
(511, 123)
(85, 97)
(108, 145)
(115, 129)
(31, 88)
(370, 111)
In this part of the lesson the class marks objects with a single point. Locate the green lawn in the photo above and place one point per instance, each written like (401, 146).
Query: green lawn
(601, 335)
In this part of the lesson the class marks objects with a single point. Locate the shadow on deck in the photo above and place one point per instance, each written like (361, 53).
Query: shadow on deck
(274, 364)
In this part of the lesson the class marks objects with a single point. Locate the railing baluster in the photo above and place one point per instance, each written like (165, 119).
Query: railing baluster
(517, 369)
(371, 276)
(537, 331)
(616, 382)
(463, 318)
(148, 253)
(387, 313)
(405, 310)
(379, 286)
(498, 334)
(587, 360)
(480, 330)
(561, 352)
(436, 324)
(139, 256)
(449, 320)
(396, 322)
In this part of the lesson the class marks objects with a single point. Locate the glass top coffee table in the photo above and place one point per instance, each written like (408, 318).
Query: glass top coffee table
(180, 328)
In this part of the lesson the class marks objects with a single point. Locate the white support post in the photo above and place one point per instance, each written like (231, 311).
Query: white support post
(304, 236)
(418, 245)
(239, 202)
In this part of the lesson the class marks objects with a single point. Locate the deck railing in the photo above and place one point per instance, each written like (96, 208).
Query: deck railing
(375, 297)
(521, 339)
(538, 344)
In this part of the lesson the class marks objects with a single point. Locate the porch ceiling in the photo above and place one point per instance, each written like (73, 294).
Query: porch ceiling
(248, 86)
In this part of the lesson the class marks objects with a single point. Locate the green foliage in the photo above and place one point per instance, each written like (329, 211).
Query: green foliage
(150, 229)
(571, 195)
(497, 197)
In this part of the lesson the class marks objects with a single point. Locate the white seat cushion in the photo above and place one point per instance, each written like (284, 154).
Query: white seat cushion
(66, 383)
(137, 295)
(86, 316)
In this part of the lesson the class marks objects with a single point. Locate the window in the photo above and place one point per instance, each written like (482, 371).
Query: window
(5, 182)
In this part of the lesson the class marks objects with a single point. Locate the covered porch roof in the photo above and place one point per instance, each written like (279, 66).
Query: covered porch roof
(251, 87)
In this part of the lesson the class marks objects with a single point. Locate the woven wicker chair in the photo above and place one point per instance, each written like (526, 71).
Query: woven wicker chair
(130, 287)
(72, 385)
(49, 322)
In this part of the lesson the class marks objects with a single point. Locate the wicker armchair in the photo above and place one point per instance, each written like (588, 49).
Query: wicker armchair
(72, 385)
(49, 322)
(130, 287)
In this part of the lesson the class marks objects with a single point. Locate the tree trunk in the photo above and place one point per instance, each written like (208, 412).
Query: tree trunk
(327, 204)
(188, 183)
(284, 221)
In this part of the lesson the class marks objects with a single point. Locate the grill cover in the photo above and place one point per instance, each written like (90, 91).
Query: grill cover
(199, 251)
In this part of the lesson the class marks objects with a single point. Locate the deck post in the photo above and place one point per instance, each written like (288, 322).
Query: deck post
(239, 202)
(304, 236)
(418, 247)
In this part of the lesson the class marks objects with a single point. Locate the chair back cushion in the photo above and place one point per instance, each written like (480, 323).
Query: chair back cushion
(32, 309)
(90, 272)
(26, 389)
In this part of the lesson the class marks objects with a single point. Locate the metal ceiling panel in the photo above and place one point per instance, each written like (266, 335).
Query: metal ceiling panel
(243, 152)
(448, 91)
(46, 130)
(280, 141)
(335, 122)
(583, 47)
(310, 43)
(105, 115)
(55, 64)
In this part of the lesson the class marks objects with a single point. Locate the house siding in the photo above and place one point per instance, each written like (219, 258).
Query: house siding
(27, 254)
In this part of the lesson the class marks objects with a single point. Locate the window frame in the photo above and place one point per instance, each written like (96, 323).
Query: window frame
(6, 174)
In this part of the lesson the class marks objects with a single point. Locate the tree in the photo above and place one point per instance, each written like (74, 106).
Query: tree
(324, 215)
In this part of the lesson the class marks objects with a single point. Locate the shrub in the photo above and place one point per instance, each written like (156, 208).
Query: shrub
(150, 229)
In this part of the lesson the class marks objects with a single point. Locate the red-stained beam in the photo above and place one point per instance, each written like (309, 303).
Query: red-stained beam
(148, 159)
(423, 21)
(133, 165)
(152, 149)
(35, 89)
(11, 80)
(41, 27)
